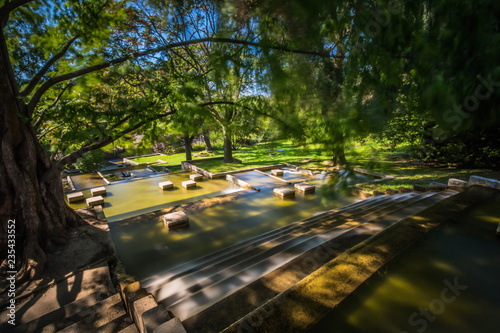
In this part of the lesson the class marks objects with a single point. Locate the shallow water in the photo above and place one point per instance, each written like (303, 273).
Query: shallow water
(135, 197)
(86, 181)
(409, 295)
(146, 247)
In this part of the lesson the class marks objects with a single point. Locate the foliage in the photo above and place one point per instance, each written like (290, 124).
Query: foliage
(91, 162)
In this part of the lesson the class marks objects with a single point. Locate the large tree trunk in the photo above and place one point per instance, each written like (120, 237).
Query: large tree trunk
(338, 156)
(189, 149)
(228, 145)
(32, 195)
(31, 192)
(206, 138)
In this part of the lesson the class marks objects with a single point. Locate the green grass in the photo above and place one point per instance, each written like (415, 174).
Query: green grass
(260, 155)
(370, 155)
(148, 159)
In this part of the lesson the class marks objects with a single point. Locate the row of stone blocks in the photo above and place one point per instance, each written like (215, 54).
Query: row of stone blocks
(286, 192)
(148, 316)
(95, 200)
(168, 185)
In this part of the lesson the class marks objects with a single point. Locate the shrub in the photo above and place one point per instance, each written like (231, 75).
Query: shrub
(91, 161)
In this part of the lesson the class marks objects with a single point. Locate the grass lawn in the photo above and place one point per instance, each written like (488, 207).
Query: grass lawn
(148, 159)
(260, 155)
(371, 156)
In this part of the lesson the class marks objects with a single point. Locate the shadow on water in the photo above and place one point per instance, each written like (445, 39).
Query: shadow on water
(413, 294)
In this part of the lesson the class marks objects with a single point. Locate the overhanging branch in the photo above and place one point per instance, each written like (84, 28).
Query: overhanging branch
(55, 80)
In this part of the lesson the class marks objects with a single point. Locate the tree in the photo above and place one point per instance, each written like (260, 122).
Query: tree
(71, 74)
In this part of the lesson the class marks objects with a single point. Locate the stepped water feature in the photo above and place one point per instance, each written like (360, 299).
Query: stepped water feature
(192, 287)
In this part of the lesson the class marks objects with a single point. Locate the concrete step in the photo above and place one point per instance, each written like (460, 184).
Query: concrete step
(192, 298)
(66, 297)
(160, 279)
(99, 316)
(54, 320)
(129, 329)
(182, 282)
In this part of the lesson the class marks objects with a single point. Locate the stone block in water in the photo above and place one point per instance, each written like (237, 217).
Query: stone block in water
(95, 201)
(403, 189)
(175, 220)
(420, 188)
(457, 184)
(390, 191)
(476, 180)
(75, 197)
(284, 192)
(98, 191)
(168, 185)
(305, 187)
(189, 184)
(277, 172)
(435, 186)
(196, 177)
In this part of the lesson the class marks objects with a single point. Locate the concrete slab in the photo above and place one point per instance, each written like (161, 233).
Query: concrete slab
(435, 186)
(457, 184)
(277, 172)
(140, 306)
(95, 201)
(168, 185)
(390, 191)
(403, 189)
(153, 318)
(172, 326)
(75, 197)
(420, 188)
(481, 181)
(196, 177)
(305, 187)
(175, 220)
(284, 192)
(189, 184)
(98, 191)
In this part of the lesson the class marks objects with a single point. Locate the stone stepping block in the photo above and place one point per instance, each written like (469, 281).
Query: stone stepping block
(196, 177)
(403, 189)
(305, 187)
(481, 181)
(175, 220)
(95, 201)
(98, 191)
(284, 192)
(168, 185)
(75, 197)
(435, 186)
(277, 172)
(189, 184)
(457, 184)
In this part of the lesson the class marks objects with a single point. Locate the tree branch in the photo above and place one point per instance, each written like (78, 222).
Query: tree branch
(72, 157)
(52, 81)
(34, 81)
(40, 117)
(8, 7)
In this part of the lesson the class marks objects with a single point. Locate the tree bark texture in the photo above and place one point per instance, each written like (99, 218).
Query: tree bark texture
(31, 191)
(228, 145)
(206, 138)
